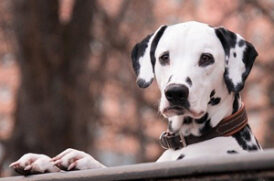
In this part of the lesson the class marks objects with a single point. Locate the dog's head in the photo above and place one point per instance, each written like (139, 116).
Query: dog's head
(189, 61)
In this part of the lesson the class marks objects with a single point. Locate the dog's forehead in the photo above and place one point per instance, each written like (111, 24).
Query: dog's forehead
(190, 34)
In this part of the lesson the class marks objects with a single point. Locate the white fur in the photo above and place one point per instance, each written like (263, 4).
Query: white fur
(216, 146)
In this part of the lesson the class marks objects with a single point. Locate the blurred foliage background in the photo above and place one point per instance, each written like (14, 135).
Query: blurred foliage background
(66, 78)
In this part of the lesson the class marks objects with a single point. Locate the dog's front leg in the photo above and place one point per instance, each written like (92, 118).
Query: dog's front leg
(72, 159)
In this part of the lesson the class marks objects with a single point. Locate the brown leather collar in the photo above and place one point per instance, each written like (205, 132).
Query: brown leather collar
(227, 127)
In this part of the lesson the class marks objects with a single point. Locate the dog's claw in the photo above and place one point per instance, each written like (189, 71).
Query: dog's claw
(72, 166)
(57, 162)
(28, 167)
(14, 165)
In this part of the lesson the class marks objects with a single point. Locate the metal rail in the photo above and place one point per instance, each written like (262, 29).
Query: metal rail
(220, 167)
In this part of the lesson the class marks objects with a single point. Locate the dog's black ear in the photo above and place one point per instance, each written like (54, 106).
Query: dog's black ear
(143, 58)
(239, 58)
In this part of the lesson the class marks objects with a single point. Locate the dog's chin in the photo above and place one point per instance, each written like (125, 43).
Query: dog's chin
(173, 111)
(179, 111)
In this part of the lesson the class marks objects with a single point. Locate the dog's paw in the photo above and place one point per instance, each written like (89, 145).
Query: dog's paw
(72, 159)
(32, 163)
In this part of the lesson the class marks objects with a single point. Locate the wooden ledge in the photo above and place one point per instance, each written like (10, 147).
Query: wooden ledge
(220, 167)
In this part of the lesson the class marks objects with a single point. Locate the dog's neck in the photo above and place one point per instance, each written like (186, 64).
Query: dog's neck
(229, 104)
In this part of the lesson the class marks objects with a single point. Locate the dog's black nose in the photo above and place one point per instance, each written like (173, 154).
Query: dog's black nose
(176, 92)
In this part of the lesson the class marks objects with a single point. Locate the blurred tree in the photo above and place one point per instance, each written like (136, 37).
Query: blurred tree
(133, 15)
(54, 102)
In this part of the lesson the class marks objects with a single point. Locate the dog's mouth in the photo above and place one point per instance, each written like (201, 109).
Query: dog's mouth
(176, 110)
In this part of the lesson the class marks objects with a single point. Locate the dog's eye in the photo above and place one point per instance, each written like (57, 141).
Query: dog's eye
(164, 58)
(206, 59)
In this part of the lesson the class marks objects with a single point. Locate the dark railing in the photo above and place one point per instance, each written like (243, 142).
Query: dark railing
(255, 165)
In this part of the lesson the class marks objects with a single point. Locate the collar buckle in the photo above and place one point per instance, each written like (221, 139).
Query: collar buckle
(163, 141)
(172, 140)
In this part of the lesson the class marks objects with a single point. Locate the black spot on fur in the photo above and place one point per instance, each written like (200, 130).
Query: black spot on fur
(231, 151)
(235, 54)
(202, 119)
(243, 138)
(214, 101)
(139, 51)
(188, 80)
(226, 61)
(212, 93)
(181, 157)
(154, 44)
(235, 103)
(206, 128)
(246, 135)
(241, 43)
(227, 38)
(143, 84)
(249, 57)
(187, 120)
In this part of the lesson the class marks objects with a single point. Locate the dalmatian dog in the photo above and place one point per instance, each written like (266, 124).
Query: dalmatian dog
(200, 71)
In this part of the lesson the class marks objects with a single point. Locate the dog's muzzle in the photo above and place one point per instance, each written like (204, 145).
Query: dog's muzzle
(177, 96)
